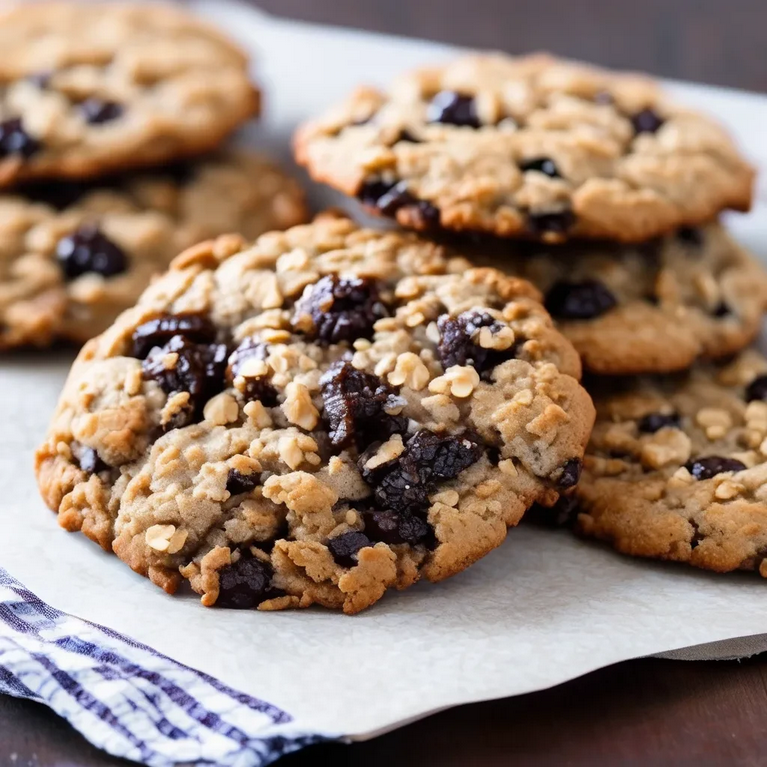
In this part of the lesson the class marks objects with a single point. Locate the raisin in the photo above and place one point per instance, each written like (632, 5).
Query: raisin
(95, 111)
(653, 422)
(579, 300)
(646, 121)
(453, 108)
(256, 387)
(570, 474)
(757, 389)
(542, 165)
(458, 345)
(341, 309)
(356, 405)
(559, 222)
(427, 460)
(711, 465)
(244, 584)
(198, 369)
(90, 461)
(88, 250)
(15, 140)
(344, 547)
(160, 330)
(389, 197)
(722, 309)
(562, 514)
(391, 527)
(237, 483)
(58, 194)
(689, 235)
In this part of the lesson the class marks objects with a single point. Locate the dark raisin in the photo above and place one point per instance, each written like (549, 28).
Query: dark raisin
(722, 309)
(427, 460)
(90, 461)
(41, 79)
(559, 222)
(199, 369)
(256, 387)
(244, 584)
(569, 474)
(542, 165)
(89, 250)
(579, 300)
(356, 404)
(757, 389)
(562, 514)
(689, 235)
(344, 547)
(459, 343)
(406, 136)
(453, 109)
(237, 483)
(95, 111)
(160, 330)
(15, 140)
(58, 194)
(711, 465)
(646, 121)
(341, 309)
(391, 527)
(424, 215)
(389, 197)
(653, 422)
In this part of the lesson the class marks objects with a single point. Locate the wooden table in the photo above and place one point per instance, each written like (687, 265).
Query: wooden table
(643, 712)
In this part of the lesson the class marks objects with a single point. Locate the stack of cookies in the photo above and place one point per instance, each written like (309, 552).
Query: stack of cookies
(113, 120)
(334, 411)
(616, 191)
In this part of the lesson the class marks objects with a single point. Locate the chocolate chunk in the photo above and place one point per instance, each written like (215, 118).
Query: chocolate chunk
(237, 483)
(258, 387)
(344, 547)
(89, 251)
(356, 405)
(391, 527)
(542, 165)
(757, 389)
(14, 140)
(559, 222)
(646, 121)
(570, 474)
(653, 422)
(95, 111)
(579, 300)
(341, 309)
(453, 109)
(160, 330)
(710, 466)
(459, 342)
(244, 584)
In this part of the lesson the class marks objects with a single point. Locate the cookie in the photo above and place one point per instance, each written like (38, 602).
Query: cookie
(530, 147)
(677, 467)
(92, 88)
(73, 255)
(647, 308)
(316, 418)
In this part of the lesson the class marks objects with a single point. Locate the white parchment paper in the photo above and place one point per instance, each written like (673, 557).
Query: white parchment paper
(542, 609)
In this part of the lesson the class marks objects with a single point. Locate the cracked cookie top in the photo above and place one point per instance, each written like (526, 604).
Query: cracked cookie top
(529, 147)
(653, 307)
(314, 418)
(677, 468)
(90, 88)
(74, 254)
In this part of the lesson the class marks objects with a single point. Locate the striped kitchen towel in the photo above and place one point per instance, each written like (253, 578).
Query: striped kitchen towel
(128, 699)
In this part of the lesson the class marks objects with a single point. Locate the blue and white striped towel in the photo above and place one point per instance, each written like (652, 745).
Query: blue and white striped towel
(130, 700)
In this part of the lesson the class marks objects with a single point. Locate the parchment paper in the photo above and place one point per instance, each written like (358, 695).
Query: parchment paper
(542, 609)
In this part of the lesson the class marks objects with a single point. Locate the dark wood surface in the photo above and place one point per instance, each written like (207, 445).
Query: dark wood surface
(638, 713)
